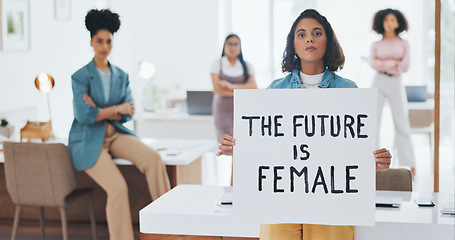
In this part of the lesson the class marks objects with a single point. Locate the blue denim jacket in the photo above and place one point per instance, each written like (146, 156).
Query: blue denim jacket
(329, 80)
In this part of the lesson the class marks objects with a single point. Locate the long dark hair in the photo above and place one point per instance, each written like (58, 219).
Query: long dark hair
(333, 57)
(96, 20)
(378, 21)
(240, 57)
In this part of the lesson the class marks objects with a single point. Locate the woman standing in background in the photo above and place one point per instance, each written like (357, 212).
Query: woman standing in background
(229, 73)
(390, 58)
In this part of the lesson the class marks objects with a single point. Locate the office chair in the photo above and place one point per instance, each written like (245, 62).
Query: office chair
(394, 179)
(421, 122)
(42, 175)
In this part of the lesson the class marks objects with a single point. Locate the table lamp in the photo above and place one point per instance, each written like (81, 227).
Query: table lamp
(44, 83)
(41, 130)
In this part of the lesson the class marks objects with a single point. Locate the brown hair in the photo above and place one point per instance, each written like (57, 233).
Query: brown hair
(378, 21)
(333, 57)
(240, 57)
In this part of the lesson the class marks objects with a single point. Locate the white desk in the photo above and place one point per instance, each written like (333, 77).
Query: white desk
(188, 150)
(184, 167)
(191, 210)
(427, 105)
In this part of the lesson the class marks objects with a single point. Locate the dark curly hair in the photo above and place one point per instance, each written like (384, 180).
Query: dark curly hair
(240, 57)
(333, 57)
(101, 19)
(378, 21)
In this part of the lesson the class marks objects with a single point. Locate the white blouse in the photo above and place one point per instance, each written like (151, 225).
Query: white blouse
(310, 81)
(228, 69)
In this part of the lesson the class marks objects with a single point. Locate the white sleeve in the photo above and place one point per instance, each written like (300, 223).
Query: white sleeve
(250, 68)
(215, 67)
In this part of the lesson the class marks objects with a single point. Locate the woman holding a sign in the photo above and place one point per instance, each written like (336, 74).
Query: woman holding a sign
(390, 58)
(312, 55)
(229, 73)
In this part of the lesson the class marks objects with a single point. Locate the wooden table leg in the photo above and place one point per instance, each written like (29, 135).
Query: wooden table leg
(290, 231)
(148, 236)
(185, 174)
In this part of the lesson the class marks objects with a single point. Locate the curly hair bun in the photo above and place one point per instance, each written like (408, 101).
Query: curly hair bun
(102, 19)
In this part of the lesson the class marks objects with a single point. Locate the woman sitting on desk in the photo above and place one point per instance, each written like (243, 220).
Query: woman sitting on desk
(312, 55)
(102, 103)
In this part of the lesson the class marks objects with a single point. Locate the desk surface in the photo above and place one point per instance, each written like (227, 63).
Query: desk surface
(177, 151)
(173, 151)
(193, 210)
(173, 116)
(427, 105)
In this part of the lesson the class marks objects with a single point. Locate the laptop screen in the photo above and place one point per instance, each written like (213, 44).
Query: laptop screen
(199, 102)
(416, 93)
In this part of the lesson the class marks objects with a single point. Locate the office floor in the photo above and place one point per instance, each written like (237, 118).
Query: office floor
(30, 230)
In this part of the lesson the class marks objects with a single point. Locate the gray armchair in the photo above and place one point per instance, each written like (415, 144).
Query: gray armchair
(42, 175)
(394, 179)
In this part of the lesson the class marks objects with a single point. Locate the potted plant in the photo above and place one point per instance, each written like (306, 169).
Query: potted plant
(5, 129)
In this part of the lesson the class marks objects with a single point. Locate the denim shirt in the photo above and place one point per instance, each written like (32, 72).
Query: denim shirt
(329, 80)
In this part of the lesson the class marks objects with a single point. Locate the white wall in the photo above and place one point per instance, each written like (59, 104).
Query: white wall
(56, 47)
(180, 37)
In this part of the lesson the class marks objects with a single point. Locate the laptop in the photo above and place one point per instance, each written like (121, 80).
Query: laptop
(416, 93)
(199, 102)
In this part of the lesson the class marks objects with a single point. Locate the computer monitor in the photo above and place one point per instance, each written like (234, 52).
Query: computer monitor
(199, 102)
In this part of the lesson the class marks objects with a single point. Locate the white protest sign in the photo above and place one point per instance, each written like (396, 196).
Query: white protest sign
(305, 156)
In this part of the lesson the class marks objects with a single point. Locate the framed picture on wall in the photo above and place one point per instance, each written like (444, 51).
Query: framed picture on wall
(15, 25)
(62, 9)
